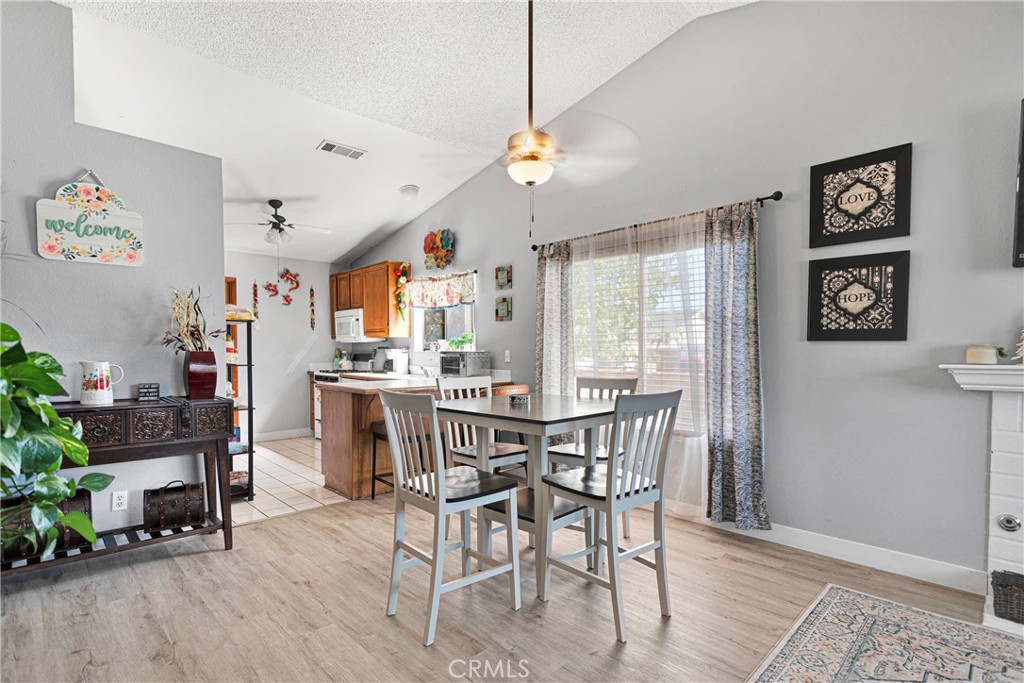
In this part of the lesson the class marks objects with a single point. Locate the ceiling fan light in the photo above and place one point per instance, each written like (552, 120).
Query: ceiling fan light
(286, 236)
(530, 172)
(272, 236)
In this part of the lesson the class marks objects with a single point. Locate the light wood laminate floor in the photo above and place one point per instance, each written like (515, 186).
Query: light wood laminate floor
(302, 597)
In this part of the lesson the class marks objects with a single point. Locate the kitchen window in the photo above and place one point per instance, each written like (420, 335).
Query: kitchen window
(441, 324)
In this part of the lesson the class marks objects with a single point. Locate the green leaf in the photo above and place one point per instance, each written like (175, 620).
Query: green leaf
(51, 541)
(10, 456)
(81, 523)
(50, 487)
(40, 452)
(95, 481)
(76, 451)
(44, 516)
(72, 488)
(28, 375)
(11, 416)
(13, 354)
(46, 363)
(8, 334)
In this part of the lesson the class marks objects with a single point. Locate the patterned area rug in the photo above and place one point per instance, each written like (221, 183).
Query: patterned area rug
(849, 636)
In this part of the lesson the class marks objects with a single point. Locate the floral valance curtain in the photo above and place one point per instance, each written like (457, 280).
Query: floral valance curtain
(442, 292)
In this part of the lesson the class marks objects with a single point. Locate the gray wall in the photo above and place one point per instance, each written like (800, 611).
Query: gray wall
(283, 346)
(865, 441)
(91, 312)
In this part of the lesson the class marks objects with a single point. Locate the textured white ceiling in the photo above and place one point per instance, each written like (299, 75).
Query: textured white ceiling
(452, 71)
(413, 82)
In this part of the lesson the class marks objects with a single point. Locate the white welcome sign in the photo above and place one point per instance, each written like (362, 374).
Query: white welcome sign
(88, 223)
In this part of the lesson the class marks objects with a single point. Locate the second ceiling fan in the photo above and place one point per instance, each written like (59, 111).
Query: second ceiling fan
(277, 224)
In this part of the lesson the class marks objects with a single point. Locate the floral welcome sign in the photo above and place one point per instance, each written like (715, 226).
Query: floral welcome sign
(88, 223)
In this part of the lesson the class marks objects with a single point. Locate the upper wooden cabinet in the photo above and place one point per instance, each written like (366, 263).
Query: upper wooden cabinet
(371, 288)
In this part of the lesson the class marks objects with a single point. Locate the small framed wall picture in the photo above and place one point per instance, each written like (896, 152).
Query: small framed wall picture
(859, 298)
(503, 308)
(503, 277)
(866, 197)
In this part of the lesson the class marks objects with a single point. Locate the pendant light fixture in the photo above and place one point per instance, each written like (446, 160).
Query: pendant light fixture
(531, 152)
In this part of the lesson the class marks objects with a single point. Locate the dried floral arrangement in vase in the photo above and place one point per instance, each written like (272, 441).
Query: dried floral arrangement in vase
(188, 333)
(1020, 348)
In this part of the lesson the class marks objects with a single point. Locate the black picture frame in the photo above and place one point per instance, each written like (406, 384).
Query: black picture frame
(838, 309)
(1018, 221)
(861, 198)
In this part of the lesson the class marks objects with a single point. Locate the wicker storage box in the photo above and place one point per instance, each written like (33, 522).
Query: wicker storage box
(1008, 596)
(172, 506)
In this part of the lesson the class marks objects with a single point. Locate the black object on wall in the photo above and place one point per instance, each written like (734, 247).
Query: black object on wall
(1018, 223)
(859, 298)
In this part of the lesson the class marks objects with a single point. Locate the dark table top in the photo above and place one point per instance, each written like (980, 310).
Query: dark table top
(542, 409)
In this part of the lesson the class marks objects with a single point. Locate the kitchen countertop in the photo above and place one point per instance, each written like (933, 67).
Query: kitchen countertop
(365, 387)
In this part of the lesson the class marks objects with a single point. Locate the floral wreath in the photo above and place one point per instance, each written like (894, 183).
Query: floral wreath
(439, 248)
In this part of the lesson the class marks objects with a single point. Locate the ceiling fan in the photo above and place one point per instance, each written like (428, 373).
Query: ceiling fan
(276, 224)
(600, 148)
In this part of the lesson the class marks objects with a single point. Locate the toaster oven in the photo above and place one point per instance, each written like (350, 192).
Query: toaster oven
(465, 363)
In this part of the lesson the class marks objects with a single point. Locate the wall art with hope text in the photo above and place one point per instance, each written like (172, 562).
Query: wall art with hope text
(861, 198)
(88, 223)
(859, 298)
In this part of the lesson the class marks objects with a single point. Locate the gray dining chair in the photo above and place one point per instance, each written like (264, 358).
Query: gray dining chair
(573, 454)
(643, 426)
(422, 480)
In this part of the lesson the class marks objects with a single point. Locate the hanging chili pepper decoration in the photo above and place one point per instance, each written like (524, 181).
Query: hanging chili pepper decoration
(255, 300)
(312, 309)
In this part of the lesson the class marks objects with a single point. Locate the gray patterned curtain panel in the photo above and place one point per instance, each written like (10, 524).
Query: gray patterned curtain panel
(554, 356)
(735, 432)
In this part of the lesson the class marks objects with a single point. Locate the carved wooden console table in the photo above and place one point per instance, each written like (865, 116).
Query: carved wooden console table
(132, 430)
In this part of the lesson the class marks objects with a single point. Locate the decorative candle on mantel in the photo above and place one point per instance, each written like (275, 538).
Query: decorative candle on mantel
(982, 354)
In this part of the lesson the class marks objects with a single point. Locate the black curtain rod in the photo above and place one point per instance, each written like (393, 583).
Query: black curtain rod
(774, 196)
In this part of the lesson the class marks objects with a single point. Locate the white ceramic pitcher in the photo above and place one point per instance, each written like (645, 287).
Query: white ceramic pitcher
(97, 389)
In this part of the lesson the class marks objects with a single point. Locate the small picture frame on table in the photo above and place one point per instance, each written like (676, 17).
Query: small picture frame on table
(866, 197)
(859, 298)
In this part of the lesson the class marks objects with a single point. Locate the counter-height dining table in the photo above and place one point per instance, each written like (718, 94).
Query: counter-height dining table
(545, 415)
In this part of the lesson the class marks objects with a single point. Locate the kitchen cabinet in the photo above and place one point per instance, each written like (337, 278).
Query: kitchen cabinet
(371, 288)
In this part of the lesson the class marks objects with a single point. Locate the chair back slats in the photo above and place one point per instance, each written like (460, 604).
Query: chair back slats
(461, 435)
(643, 429)
(603, 388)
(414, 438)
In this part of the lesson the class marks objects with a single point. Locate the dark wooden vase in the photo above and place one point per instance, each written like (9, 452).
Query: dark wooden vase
(200, 374)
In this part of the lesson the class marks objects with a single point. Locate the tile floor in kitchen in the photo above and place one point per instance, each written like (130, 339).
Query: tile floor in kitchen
(287, 480)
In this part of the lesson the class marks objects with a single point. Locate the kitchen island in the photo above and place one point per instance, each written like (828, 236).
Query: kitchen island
(347, 409)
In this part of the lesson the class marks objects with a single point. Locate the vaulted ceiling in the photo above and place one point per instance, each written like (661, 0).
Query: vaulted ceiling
(431, 90)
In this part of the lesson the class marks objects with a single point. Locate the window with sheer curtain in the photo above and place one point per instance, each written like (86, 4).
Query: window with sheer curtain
(639, 311)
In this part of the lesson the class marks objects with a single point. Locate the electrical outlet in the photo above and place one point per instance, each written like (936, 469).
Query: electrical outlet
(119, 500)
(508, 356)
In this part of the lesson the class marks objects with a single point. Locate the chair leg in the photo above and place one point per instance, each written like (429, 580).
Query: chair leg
(547, 504)
(396, 557)
(661, 558)
(615, 577)
(484, 536)
(512, 539)
(467, 561)
(373, 468)
(436, 576)
(625, 524)
(590, 538)
(599, 535)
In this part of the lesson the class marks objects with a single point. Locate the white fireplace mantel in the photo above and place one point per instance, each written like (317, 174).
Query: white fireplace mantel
(1005, 547)
(988, 377)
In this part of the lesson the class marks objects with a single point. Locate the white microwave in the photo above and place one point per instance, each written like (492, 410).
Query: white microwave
(348, 327)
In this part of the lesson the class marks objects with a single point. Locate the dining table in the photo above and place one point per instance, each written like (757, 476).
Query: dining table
(543, 416)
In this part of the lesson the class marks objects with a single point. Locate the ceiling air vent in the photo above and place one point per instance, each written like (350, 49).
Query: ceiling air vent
(340, 149)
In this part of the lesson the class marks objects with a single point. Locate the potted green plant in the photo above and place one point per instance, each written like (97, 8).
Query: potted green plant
(189, 334)
(462, 341)
(34, 440)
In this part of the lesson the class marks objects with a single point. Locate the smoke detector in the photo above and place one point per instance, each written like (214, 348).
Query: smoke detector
(340, 149)
(409, 192)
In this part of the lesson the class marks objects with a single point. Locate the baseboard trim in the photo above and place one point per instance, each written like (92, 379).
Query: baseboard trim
(285, 434)
(923, 568)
